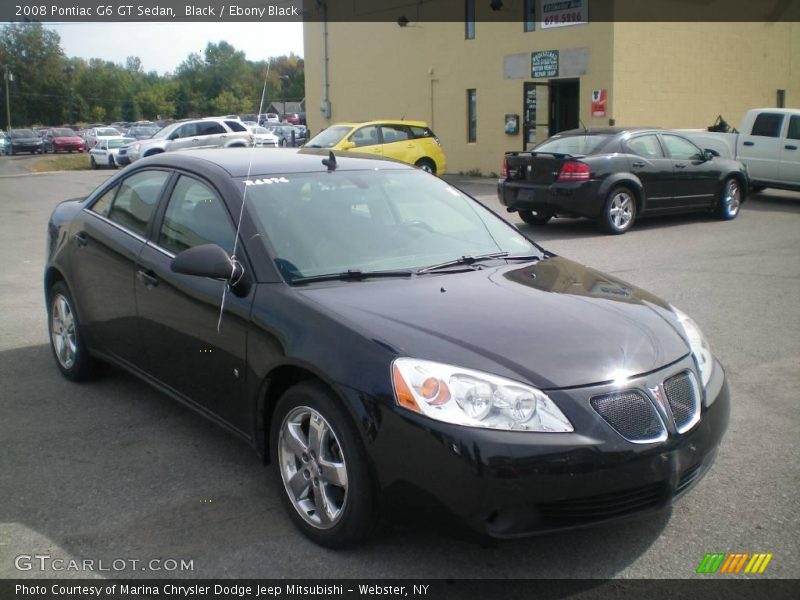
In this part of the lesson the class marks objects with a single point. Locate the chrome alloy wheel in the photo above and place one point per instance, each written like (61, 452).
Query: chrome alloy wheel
(312, 467)
(731, 198)
(621, 210)
(62, 326)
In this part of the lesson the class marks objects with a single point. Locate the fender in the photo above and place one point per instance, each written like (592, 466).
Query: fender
(628, 179)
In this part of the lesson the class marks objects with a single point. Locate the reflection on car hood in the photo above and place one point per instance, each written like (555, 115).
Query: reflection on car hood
(554, 323)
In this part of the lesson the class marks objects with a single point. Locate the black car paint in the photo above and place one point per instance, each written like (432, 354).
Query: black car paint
(661, 185)
(272, 333)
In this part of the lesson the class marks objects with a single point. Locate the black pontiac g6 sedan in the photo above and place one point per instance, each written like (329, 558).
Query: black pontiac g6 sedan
(374, 332)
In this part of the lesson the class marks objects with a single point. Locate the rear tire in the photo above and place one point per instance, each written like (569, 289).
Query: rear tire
(321, 467)
(619, 211)
(730, 199)
(93, 162)
(534, 218)
(112, 163)
(426, 165)
(66, 338)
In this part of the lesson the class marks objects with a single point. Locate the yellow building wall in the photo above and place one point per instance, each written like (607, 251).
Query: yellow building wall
(678, 75)
(682, 75)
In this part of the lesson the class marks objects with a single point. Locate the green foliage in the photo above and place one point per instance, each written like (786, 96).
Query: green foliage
(50, 88)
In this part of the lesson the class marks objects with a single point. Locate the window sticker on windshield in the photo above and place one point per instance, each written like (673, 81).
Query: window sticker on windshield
(266, 181)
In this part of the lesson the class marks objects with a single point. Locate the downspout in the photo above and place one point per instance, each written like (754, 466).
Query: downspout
(325, 107)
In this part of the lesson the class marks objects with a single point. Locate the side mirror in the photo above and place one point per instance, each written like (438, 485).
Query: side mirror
(709, 154)
(348, 145)
(172, 137)
(208, 260)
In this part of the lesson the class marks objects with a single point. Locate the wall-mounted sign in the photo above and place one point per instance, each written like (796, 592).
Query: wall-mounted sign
(512, 124)
(544, 64)
(563, 13)
(599, 101)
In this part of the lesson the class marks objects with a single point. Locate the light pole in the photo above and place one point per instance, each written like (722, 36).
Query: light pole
(9, 78)
(69, 70)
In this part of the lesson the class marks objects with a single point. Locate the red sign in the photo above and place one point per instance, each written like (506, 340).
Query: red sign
(599, 103)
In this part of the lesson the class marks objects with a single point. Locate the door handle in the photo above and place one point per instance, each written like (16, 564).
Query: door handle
(790, 147)
(148, 278)
(749, 143)
(637, 164)
(680, 165)
(80, 239)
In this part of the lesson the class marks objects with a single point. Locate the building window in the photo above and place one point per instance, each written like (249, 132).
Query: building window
(472, 116)
(469, 19)
(529, 18)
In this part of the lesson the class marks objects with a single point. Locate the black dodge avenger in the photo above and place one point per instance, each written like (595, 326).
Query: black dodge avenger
(375, 334)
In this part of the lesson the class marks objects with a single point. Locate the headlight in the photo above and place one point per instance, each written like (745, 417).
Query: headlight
(472, 398)
(698, 344)
(136, 147)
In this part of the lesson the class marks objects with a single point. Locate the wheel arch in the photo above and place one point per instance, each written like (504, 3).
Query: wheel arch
(628, 180)
(279, 379)
(741, 179)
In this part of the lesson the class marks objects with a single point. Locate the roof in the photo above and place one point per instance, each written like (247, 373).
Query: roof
(605, 130)
(379, 122)
(237, 161)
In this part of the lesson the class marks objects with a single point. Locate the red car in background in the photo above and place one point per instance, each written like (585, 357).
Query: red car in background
(295, 118)
(62, 139)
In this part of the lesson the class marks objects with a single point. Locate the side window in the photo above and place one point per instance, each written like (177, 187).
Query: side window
(366, 136)
(794, 128)
(136, 200)
(235, 126)
(681, 149)
(210, 128)
(395, 133)
(103, 204)
(767, 125)
(647, 146)
(420, 132)
(195, 216)
(184, 131)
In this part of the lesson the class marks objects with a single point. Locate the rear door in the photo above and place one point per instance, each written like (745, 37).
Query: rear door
(695, 179)
(107, 239)
(210, 134)
(653, 168)
(789, 168)
(760, 148)
(183, 345)
(398, 143)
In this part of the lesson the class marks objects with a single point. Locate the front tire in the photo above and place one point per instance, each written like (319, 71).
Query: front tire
(321, 466)
(93, 162)
(112, 163)
(619, 211)
(534, 218)
(66, 338)
(426, 165)
(730, 200)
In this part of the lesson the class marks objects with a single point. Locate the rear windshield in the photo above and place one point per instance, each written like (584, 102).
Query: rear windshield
(22, 133)
(576, 145)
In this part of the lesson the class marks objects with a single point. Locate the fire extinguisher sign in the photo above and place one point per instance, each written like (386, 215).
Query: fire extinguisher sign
(599, 98)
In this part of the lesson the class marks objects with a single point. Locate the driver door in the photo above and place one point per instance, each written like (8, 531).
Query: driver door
(367, 140)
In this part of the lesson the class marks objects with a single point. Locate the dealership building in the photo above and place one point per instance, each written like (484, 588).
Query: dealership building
(506, 75)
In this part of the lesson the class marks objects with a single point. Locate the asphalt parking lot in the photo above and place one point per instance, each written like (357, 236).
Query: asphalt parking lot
(114, 470)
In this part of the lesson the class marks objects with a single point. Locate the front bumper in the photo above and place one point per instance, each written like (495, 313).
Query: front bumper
(512, 484)
(578, 198)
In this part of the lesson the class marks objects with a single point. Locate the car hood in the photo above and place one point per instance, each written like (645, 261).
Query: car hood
(554, 323)
(25, 140)
(67, 138)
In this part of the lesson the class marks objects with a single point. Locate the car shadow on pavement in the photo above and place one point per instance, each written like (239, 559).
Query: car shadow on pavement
(113, 469)
(770, 201)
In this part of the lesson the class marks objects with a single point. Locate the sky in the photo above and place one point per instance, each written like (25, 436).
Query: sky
(163, 46)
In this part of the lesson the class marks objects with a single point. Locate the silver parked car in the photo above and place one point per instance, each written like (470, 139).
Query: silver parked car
(197, 133)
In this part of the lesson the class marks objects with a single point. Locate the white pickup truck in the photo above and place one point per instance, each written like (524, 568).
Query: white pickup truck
(768, 143)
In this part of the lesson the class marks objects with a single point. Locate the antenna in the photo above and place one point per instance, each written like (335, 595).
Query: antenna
(241, 210)
(330, 162)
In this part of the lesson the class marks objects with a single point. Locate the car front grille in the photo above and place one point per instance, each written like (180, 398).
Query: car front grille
(605, 506)
(684, 400)
(631, 415)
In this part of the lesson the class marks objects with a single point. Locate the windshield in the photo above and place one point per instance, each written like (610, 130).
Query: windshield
(22, 133)
(119, 143)
(322, 223)
(328, 138)
(64, 133)
(142, 131)
(107, 132)
(577, 145)
(258, 129)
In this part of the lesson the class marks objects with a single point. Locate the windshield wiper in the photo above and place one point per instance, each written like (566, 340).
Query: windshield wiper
(352, 275)
(464, 260)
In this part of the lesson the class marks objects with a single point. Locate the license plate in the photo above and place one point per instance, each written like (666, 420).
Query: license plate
(524, 194)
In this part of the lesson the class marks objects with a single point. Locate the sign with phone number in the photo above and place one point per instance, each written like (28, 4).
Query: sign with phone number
(563, 13)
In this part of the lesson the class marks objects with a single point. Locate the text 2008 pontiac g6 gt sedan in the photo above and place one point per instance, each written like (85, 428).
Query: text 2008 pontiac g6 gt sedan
(382, 331)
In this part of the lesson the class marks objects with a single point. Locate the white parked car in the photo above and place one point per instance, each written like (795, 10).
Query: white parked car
(96, 134)
(263, 137)
(106, 151)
